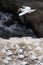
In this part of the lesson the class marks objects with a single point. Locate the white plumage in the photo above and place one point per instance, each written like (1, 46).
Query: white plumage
(26, 9)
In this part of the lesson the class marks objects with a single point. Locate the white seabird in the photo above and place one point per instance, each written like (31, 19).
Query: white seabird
(25, 9)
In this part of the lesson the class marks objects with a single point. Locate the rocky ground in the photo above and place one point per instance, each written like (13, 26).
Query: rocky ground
(15, 47)
(11, 26)
(21, 51)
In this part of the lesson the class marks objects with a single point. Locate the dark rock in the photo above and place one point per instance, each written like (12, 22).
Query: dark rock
(8, 5)
(35, 19)
(15, 31)
(10, 27)
(15, 4)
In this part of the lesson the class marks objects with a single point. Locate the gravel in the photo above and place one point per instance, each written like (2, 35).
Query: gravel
(21, 51)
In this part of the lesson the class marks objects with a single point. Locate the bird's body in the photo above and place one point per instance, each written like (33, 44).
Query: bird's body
(25, 10)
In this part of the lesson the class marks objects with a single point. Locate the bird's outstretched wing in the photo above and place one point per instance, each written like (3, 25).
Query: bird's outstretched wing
(26, 7)
(30, 11)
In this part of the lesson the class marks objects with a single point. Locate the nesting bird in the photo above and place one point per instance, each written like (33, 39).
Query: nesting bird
(25, 9)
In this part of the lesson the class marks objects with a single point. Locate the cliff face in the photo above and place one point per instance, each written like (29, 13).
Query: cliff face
(13, 4)
(36, 18)
(9, 5)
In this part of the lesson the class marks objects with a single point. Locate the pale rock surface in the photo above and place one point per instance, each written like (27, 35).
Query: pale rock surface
(21, 51)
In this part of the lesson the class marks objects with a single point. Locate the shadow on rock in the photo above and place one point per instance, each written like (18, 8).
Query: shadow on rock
(10, 27)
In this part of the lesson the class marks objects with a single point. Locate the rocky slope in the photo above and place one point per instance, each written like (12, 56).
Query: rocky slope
(36, 18)
(21, 51)
(10, 26)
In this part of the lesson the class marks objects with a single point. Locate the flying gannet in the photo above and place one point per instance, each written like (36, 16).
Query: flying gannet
(25, 9)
